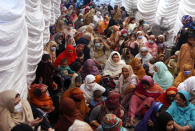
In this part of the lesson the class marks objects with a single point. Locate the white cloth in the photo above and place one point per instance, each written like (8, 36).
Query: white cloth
(89, 87)
(36, 26)
(13, 45)
(189, 86)
(79, 125)
(111, 68)
(147, 10)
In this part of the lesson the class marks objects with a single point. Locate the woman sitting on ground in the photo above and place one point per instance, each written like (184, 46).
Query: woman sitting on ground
(182, 111)
(111, 105)
(146, 92)
(147, 123)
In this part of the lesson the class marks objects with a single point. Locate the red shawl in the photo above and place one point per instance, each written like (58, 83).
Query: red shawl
(154, 91)
(70, 56)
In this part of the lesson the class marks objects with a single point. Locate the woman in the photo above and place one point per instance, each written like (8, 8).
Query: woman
(164, 122)
(39, 98)
(14, 110)
(126, 55)
(189, 86)
(90, 86)
(187, 52)
(141, 39)
(146, 92)
(182, 111)
(111, 123)
(147, 123)
(162, 76)
(68, 114)
(113, 40)
(89, 67)
(111, 105)
(127, 84)
(60, 26)
(152, 46)
(77, 95)
(132, 25)
(187, 72)
(69, 54)
(167, 97)
(97, 18)
(144, 55)
(58, 38)
(138, 68)
(103, 25)
(88, 18)
(50, 49)
(132, 44)
(113, 65)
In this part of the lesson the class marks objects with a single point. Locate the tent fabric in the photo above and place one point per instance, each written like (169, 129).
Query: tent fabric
(24, 29)
(147, 10)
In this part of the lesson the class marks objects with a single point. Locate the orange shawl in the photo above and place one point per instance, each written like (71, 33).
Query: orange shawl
(138, 69)
(44, 101)
(163, 98)
(77, 93)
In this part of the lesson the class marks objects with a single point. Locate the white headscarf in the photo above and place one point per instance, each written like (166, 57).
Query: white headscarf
(80, 126)
(188, 85)
(145, 59)
(90, 86)
(112, 68)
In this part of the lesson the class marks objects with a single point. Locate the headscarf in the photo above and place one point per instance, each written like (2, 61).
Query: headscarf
(163, 98)
(7, 116)
(189, 86)
(60, 26)
(163, 77)
(153, 91)
(138, 70)
(48, 50)
(150, 115)
(123, 81)
(78, 94)
(88, 18)
(183, 115)
(80, 126)
(182, 77)
(145, 59)
(89, 67)
(68, 114)
(90, 86)
(162, 121)
(186, 21)
(70, 56)
(103, 25)
(43, 101)
(111, 123)
(111, 68)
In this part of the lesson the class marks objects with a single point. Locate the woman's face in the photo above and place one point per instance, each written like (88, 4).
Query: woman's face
(17, 100)
(115, 58)
(144, 53)
(132, 38)
(170, 125)
(155, 69)
(138, 63)
(180, 101)
(125, 72)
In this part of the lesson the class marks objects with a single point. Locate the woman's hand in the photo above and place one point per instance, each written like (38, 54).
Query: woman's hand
(150, 123)
(35, 122)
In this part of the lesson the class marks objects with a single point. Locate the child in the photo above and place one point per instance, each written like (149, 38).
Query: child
(78, 81)
(65, 70)
(76, 66)
(66, 73)
(97, 99)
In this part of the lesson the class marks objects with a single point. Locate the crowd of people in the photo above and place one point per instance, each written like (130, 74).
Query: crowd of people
(104, 71)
